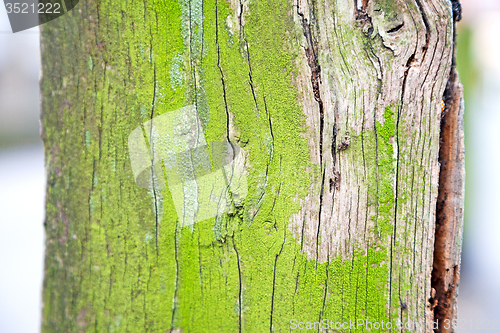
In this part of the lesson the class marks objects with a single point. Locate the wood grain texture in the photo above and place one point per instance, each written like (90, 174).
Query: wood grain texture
(336, 106)
(384, 68)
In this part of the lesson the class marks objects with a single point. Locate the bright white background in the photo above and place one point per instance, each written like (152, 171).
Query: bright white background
(22, 176)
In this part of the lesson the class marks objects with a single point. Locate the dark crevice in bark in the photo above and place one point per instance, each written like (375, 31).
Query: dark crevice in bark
(312, 60)
(446, 266)
(325, 293)
(250, 76)
(240, 19)
(396, 28)
(335, 180)
(221, 73)
(152, 148)
(319, 214)
(274, 282)
(427, 29)
(270, 129)
(294, 294)
(240, 288)
(334, 146)
(243, 40)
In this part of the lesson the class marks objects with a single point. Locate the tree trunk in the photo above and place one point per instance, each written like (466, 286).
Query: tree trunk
(334, 108)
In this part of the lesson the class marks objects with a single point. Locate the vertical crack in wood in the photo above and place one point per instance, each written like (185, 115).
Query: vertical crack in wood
(240, 287)
(222, 75)
(155, 195)
(312, 61)
(450, 201)
(271, 329)
(325, 292)
(427, 29)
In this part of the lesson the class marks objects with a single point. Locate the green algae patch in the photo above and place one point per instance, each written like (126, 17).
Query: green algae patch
(386, 169)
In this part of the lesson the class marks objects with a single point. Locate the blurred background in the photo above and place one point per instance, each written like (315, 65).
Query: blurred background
(478, 62)
(22, 175)
(22, 181)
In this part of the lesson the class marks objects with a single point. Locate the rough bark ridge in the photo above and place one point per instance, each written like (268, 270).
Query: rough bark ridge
(336, 106)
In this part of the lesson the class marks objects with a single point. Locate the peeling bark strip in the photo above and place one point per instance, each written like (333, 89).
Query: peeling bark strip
(337, 107)
(450, 201)
(449, 207)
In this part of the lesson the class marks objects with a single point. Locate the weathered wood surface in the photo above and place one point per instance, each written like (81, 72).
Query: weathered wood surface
(336, 106)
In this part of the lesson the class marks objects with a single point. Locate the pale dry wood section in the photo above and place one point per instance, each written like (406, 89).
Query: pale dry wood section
(375, 55)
